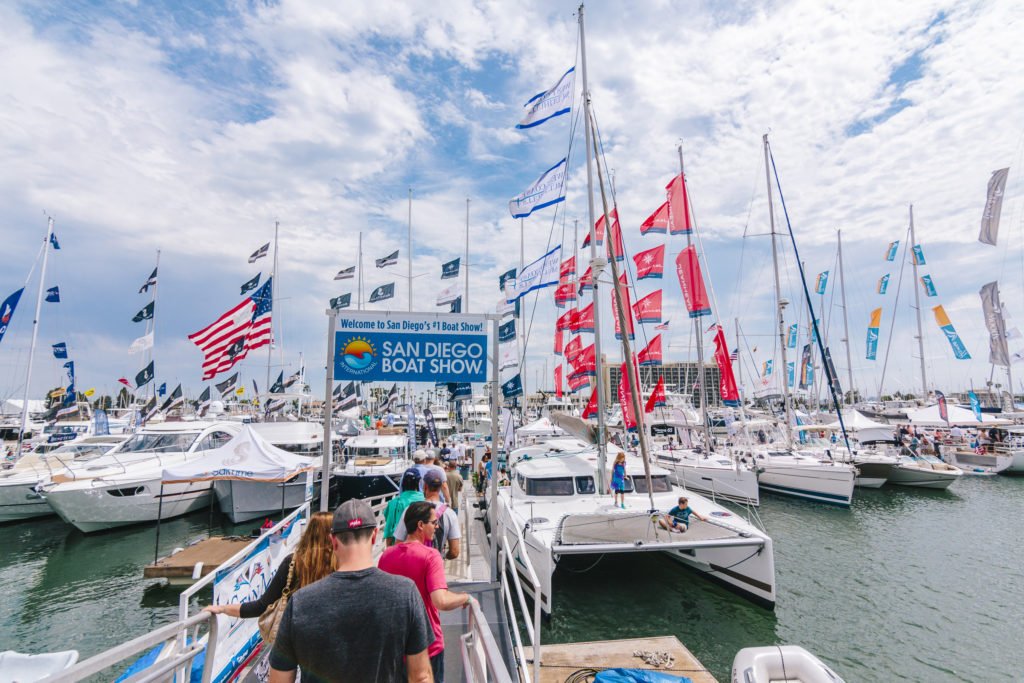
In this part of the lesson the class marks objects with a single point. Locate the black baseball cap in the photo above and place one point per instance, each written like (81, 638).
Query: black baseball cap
(352, 515)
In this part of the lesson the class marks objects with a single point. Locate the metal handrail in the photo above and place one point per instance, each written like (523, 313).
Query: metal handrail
(532, 630)
(480, 651)
(169, 634)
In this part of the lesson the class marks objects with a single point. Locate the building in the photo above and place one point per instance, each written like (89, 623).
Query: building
(679, 377)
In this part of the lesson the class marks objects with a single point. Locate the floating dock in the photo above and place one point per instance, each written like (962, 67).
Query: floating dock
(559, 662)
(181, 566)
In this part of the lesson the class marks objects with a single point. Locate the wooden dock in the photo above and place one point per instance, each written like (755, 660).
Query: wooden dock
(558, 662)
(179, 567)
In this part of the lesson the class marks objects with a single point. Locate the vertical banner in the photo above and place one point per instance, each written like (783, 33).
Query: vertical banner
(428, 417)
(959, 350)
(998, 353)
(789, 373)
(678, 207)
(890, 253)
(791, 337)
(883, 283)
(929, 286)
(943, 409)
(627, 311)
(558, 343)
(410, 416)
(919, 256)
(591, 409)
(993, 207)
(822, 281)
(766, 368)
(727, 383)
(873, 325)
(975, 405)
(831, 375)
(692, 283)
(558, 381)
(625, 401)
(806, 371)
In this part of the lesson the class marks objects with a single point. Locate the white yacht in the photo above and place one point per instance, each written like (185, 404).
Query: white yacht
(476, 415)
(123, 486)
(924, 471)
(553, 504)
(803, 475)
(372, 466)
(1014, 447)
(720, 475)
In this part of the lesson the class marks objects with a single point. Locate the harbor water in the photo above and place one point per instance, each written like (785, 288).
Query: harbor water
(907, 584)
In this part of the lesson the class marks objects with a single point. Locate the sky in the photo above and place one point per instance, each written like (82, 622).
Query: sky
(191, 128)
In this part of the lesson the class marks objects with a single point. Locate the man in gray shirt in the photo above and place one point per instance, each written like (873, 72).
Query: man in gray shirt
(358, 623)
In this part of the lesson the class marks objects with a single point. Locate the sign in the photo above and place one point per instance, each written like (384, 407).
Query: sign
(377, 346)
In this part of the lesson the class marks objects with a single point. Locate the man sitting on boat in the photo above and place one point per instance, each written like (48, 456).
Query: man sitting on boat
(678, 518)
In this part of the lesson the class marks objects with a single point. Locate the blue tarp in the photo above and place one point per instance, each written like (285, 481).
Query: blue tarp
(637, 676)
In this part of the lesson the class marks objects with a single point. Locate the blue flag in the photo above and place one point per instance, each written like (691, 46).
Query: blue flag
(162, 389)
(70, 367)
(7, 310)
(60, 350)
(456, 305)
(53, 240)
(513, 387)
(975, 405)
(463, 391)
(507, 331)
(53, 295)
(450, 269)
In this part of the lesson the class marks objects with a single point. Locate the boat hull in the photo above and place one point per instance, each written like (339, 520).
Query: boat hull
(20, 501)
(95, 505)
(737, 485)
(824, 485)
(242, 501)
(872, 475)
(921, 478)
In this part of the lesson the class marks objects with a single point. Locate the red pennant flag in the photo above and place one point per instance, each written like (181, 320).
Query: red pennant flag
(678, 207)
(573, 348)
(616, 237)
(648, 309)
(692, 283)
(727, 383)
(586, 282)
(626, 401)
(657, 399)
(578, 382)
(657, 222)
(651, 355)
(558, 381)
(584, 321)
(558, 342)
(126, 383)
(650, 263)
(585, 363)
(627, 310)
(591, 409)
(568, 267)
(565, 294)
(565, 320)
(598, 231)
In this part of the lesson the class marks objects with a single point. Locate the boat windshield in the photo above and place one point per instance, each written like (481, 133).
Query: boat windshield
(159, 443)
(660, 483)
(558, 486)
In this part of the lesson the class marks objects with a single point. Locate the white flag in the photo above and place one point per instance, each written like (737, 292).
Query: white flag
(544, 191)
(141, 344)
(508, 428)
(541, 273)
(449, 294)
(508, 355)
(550, 103)
(504, 306)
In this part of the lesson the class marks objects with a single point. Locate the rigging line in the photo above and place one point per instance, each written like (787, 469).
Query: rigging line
(895, 305)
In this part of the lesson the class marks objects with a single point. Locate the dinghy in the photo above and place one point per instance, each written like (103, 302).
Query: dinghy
(789, 663)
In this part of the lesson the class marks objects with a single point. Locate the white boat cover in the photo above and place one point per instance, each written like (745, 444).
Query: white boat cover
(541, 427)
(929, 417)
(247, 457)
(864, 427)
(374, 440)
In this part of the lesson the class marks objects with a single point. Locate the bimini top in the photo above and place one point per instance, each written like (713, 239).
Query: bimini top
(247, 457)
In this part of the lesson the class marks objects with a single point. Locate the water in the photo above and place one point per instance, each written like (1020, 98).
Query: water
(906, 585)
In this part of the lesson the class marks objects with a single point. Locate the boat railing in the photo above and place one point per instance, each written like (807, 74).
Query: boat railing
(736, 496)
(507, 564)
(179, 658)
(479, 650)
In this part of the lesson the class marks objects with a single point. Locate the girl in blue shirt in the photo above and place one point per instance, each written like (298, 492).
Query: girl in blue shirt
(619, 478)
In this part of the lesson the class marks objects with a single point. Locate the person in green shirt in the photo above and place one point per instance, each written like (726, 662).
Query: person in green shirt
(396, 506)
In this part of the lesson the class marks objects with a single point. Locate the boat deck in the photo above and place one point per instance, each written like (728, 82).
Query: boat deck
(598, 529)
(561, 662)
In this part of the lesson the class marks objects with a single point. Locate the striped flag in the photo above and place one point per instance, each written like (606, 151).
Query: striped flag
(228, 339)
(204, 402)
(663, 326)
(734, 355)
(259, 253)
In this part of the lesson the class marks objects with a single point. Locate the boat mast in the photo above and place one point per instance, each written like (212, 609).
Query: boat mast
(698, 332)
(409, 233)
(739, 363)
(846, 324)
(359, 287)
(35, 333)
(596, 264)
(151, 326)
(778, 297)
(273, 287)
(917, 304)
(465, 295)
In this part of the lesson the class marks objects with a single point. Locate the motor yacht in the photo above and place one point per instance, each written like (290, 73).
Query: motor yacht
(924, 471)
(372, 465)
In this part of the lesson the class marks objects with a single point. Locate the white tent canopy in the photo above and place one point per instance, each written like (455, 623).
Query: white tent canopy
(247, 457)
(929, 417)
(541, 427)
(864, 427)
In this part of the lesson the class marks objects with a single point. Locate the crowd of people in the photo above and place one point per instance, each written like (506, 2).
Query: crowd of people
(917, 440)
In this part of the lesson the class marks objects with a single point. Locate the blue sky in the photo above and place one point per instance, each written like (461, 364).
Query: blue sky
(193, 128)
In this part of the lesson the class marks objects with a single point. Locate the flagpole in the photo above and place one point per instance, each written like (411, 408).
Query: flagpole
(466, 264)
(917, 304)
(698, 326)
(778, 298)
(410, 250)
(599, 365)
(151, 326)
(35, 333)
(739, 363)
(273, 287)
(359, 289)
(846, 323)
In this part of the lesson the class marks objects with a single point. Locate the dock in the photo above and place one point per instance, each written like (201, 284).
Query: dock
(210, 553)
(559, 662)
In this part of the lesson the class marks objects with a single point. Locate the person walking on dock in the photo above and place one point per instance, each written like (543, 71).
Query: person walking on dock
(411, 493)
(447, 531)
(413, 559)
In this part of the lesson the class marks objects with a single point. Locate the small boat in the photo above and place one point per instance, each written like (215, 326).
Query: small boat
(373, 466)
(988, 463)
(776, 663)
(720, 475)
(16, 667)
(924, 471)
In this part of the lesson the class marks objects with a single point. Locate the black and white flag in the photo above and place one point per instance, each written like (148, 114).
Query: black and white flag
(145, 314)
(993, 207)
(150, 282)
(204, 402)
(383, 292)
(259, 253)
(227, 385)
(392, 400)
(389, 260)
(278, 386)
(145, 376)
(251, 284)
(450, 269)
(346, 273)
(174, 400)
(343, 301)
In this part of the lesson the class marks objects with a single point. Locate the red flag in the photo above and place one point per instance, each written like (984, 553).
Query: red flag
(591, 409)
(565, 294)
(627, 310)
(730, 393)
(657, 222)
(573, 348)
(586, 282)
(578, 382)
(126, 383)
(648, 309)
(598, 231)
(558, 380)
(651, 355)
(565, 320)
(558, 342)
(657, 399)
(568, 267)
(584, 322)
(692, 283)
(615, 235)
(678, 207)
(650, 263)
(626, 401)
(585, 363)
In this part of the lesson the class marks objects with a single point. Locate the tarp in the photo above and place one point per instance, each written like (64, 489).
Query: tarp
(929, 417)
(247, 457)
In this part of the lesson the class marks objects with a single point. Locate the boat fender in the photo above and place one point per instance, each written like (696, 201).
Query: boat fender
(197, 571)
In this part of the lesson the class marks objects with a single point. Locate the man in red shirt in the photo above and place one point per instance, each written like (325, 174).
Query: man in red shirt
(423, 564)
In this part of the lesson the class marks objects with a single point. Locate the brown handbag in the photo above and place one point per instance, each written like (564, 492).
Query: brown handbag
(271, 618)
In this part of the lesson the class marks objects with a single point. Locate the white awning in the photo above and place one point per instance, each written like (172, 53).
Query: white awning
(247, 457)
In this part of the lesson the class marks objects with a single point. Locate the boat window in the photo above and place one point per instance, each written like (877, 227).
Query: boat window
(213, 440)
(659, 482)
(585, 485)
(124, 493)
(561, 486)
(160, 443)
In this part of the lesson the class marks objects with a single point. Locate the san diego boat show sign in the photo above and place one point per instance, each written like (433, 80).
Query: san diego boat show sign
(376, 346)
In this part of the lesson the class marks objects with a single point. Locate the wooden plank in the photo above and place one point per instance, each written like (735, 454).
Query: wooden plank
(212, 552)
(558, 662)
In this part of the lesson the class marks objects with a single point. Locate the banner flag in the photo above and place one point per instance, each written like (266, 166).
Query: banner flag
(919, 256)
(822, 281)
(883, 283)
(204, 402)
(278, 386)
(830, 373)
(650, 263)
(564, 321)
(586, 281)
(791, 337)
(508, 355)
(585, 363)
(573, 349)
(259, 253)
(657, 222)
(150, 282)
(993, 207)
(564, 294)
(577, 383)
(651, 355)
(766, 368)
(346, 273)
(975, 405)
(558, 342)
(583, 321)
(456, 306)
(890, 252)
(567, 269)
(509, 274)
(389, 260)
(227, 386)
(53, 240)
(943, 409)
(507, 331)
(391, 402)
(558, 381)
(449, 294)
(144, 376)
(450, 269)
(53, 295)
(657, 398)
(648, 309)
(251, 284)
(513, 387)
(614, 235)
(541, 273)
(873, 325)
(598, 233)
(959, 350)
(591, 409)
(692, 283)
(998, 353)
(625, 400)
(145, 314)
(627, 310)
(789, 372)
(678, 207)
(343, 301)
(7, 310)
(162, 389)
(382, 293)
(60, 350)
(553, 102)
(727, 382)
(463, 391)
(175, 399)
(929, 286)
(545, 191)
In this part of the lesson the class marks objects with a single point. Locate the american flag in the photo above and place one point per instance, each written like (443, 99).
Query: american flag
(734, 355)
(228, 339)
(663, 326)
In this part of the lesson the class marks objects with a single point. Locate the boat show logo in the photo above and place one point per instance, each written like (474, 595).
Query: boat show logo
(359, 355)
